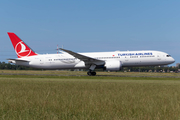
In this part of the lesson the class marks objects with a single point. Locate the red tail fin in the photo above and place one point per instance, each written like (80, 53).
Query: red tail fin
(21, 49)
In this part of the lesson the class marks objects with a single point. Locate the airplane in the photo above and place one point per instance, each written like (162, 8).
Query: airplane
(110, 61)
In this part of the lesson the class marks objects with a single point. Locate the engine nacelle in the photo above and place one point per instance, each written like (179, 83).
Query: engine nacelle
(113, 65)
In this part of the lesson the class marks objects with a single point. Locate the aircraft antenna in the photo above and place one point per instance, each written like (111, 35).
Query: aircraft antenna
(57, 49)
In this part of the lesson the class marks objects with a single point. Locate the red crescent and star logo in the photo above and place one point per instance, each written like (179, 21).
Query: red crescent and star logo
(22, 50)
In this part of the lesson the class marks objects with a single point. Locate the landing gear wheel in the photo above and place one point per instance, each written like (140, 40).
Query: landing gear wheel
(91, 73)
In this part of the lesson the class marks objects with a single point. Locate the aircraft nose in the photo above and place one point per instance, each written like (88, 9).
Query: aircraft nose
(172, 60)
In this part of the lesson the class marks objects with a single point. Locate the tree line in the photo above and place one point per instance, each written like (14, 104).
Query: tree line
(151, 69)
(10, 66)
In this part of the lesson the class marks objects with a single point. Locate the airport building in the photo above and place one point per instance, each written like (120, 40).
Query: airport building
(177, 64)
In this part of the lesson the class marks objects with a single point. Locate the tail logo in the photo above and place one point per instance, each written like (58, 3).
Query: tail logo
(22, 50)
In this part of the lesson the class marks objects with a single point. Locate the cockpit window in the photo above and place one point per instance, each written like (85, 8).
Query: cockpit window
(168, 55)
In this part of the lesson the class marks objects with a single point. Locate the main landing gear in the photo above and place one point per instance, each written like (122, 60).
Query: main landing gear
(91, 73)
(91, 70)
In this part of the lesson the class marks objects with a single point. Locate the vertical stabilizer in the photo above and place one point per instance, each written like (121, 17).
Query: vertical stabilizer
(21, 49)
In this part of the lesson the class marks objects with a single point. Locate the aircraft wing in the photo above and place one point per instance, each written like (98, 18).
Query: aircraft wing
(86, 59)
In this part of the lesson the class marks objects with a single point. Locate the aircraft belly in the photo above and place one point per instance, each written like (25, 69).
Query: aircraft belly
(59, 66)
(53, 65)
(22, 63)
(143, 62)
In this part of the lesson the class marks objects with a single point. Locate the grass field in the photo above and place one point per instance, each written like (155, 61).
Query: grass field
(53, 95)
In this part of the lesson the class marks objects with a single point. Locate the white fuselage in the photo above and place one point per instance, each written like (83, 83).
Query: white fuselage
(67, 61)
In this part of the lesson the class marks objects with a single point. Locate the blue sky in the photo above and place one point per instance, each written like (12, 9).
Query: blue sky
(91, 25)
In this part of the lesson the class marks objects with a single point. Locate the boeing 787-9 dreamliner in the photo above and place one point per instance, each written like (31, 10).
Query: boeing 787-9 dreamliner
(111, 61)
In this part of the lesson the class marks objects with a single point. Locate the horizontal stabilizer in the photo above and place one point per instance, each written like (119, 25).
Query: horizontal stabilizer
(18, 60)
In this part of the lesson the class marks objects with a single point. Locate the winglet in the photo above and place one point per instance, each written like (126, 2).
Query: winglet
(21, 49)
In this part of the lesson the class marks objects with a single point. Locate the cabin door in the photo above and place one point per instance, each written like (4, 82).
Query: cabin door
(41, 60)
(159, 56)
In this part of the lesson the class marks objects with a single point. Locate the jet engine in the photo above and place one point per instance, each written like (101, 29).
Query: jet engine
(113, 65)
